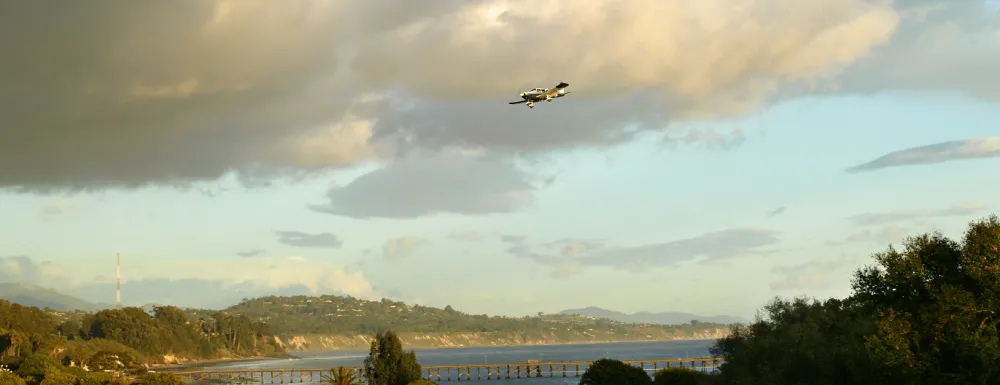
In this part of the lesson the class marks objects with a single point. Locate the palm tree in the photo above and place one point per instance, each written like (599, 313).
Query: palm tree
(342, 376)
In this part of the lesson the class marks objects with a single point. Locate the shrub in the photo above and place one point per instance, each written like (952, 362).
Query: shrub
(679, 376)
(160, 379)
(8, 378)
(56, 377)
(614, 372)
(95, 379)
(36, 365)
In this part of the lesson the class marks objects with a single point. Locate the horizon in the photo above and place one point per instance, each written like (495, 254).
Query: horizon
(705, 165)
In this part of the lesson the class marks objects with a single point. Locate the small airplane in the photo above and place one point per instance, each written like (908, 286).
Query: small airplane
(539, 94)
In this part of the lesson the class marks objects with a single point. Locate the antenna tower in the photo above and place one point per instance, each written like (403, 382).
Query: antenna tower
(118, 282)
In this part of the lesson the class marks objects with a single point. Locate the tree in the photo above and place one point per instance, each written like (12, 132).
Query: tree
(935, 304)
(679, 376)
(388, 364)
(341, 376)
(614, 372)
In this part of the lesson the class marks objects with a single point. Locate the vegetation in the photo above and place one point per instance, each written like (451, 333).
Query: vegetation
(344, 315)
(614, 372)
(924, 315)
(388, 364)
(341, 376)
(680, 376)
(121, 341)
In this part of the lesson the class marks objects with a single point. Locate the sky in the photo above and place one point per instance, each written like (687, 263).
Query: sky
(712, 155)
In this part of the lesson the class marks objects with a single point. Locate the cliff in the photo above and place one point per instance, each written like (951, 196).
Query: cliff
(451, 340)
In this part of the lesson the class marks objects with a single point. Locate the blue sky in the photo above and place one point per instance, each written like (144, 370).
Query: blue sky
(650, 188)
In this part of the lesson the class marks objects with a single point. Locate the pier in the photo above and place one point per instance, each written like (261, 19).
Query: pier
(438, 373)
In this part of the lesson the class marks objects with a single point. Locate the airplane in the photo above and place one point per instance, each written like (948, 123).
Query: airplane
(539, 94)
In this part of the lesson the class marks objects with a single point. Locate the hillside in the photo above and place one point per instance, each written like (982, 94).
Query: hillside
(33, 295)
(664, 318)
(341, 322)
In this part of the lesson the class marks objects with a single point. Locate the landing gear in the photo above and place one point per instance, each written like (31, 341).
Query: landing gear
(531, 104)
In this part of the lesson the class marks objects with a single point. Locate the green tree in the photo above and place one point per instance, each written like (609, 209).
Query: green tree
(614, 372)
(160, 379)
(56, 377)
(8, 378)
(935, 304)
(680, 376)
(341, 376)
(388, 364)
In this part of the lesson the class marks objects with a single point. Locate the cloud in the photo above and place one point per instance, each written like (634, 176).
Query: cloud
(882, 218)
(398, 248)
(466, 236)
(22, 268)
(815, 274)
(251, 253)
(54, 209)
(776, 212)
(211, 283)
(885, 235)
(257, 88)
(570, 256)
(935, 153)
(939, 45)
(416, 187)
(300, 239)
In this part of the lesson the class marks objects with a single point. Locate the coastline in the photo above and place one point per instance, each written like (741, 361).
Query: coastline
(353, 342)
(196, 365)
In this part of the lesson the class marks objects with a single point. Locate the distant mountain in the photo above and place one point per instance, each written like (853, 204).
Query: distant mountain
(33, 295)
(665, 318)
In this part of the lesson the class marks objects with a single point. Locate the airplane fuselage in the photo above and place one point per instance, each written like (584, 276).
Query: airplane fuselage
(540, 94)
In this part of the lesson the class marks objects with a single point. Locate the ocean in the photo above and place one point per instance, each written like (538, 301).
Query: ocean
(494, 355)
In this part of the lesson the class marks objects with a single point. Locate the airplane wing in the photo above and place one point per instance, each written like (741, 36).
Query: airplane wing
(554, 91)
(518, 102)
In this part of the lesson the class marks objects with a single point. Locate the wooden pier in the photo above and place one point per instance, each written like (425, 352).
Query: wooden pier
(437, 373)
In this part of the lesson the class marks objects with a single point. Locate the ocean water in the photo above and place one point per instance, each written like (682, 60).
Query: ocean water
(492, 356)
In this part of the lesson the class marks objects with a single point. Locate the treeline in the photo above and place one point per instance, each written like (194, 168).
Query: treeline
(129, 332)
(344, 315)
(927, 314)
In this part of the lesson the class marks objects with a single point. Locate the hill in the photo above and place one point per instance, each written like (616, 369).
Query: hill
(665, 318)
(343, 322)
(33, 295)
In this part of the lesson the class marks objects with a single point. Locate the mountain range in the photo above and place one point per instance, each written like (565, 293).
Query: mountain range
(33, 295)
(664, 318)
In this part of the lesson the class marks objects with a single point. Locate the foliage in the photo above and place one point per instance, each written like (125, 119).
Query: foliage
(8, 378)
(340, 315)
(341, 376)
(680, 376)
(56, 377)
(95, 379)
(36, 365)
(388, 364)
(935, 305)
(160, 379)
(131, 332)
(614, 372)
(926, 314)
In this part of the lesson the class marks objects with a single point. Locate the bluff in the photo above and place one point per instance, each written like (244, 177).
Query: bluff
(342, 322)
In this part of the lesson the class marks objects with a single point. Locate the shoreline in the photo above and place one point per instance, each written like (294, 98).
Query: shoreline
(199, 365)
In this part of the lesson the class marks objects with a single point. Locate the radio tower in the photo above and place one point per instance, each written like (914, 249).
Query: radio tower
(118, 282)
